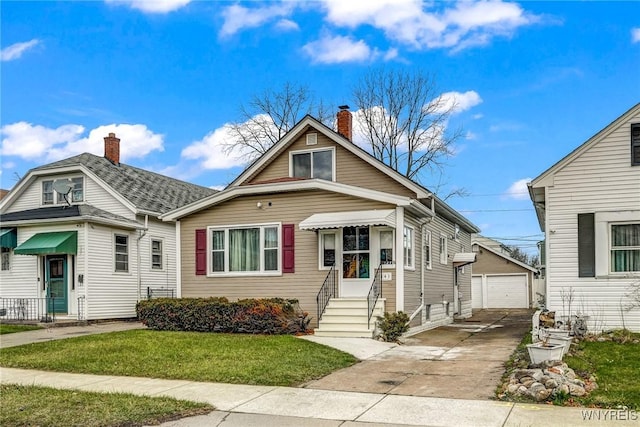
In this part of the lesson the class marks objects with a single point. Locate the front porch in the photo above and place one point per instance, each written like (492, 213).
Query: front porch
(349, 317)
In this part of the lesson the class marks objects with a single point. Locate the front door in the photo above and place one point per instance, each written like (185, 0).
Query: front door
(56, 279)
(356, 262)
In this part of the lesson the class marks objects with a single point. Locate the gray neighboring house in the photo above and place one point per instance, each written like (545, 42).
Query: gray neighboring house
(93, 252)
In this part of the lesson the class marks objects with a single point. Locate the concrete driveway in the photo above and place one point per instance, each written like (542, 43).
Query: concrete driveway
(464, 360)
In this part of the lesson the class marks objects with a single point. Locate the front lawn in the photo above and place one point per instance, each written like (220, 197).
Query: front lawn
(10, 329)
(43, 406)
(616, 367)
(279, 360)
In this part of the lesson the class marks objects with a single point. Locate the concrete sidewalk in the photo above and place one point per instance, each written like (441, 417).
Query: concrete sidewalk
(62, 332)
(244, 405)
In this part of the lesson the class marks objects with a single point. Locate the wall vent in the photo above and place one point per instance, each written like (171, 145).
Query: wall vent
(312, 138)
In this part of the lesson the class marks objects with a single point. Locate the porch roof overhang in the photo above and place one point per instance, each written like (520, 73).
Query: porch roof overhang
(350, 219)
(8, 238)
(60, 242)
(461, 259)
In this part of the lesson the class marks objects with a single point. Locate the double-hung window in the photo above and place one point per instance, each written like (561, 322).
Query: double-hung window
(47, 192)
(121, 253)
(407, 240)
(156, 254)
(313, 164)
(443, 249)
(77, 191)
(245, 250)
(625, 248)
(327, 249)
(427, 249)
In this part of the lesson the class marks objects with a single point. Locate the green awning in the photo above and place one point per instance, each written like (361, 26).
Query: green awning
(62, 242)
(8, 238)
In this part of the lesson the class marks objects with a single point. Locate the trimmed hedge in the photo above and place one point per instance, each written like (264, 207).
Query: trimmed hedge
(273, 316)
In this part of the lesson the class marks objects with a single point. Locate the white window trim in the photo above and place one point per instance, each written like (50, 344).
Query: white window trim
(128, 270)
(228, 273)
(603, 221)
(370, 251)
(333, 160)
(412, 264)
(444, 249)
(162, 254)
(336, 235)
(429, 262)
(610, 235)
(53, 193)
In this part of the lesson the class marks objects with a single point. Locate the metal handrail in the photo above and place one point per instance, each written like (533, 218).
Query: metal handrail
(28, 309)
(374, 293)
(327, 291)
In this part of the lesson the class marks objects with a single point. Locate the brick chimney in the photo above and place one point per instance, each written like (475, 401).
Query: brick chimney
(344, 121)
(112, 148)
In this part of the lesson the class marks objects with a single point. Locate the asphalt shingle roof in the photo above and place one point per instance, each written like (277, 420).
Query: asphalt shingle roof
(148, 191)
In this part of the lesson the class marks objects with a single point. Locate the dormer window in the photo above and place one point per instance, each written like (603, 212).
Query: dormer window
(51, 197)
(313, 164)
(635, 144)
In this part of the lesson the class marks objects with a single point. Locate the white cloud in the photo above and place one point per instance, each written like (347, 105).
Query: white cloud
(152, 6)
(477, 116)
(470, 135)
(16, 50)
(39, 143)
(237, 18)
(430, 24)
(210, 150)
(338, 49)
(635, 35)
(287, 25)
(518, 190)
(457, 102)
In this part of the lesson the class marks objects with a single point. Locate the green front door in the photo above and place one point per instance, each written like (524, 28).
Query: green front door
(56, 277)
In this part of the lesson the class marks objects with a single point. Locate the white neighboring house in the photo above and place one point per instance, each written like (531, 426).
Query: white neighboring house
(93, 255)
(588, 205)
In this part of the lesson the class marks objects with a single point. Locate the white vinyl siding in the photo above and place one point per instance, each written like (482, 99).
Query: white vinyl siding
(600, 180)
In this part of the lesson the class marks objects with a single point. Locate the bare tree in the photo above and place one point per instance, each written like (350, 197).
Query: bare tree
(520, 255)
(404, 120)
(269, 116)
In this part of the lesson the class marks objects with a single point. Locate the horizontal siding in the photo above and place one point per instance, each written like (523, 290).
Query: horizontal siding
(305, 283)
(165, 278)
(490, 263)
(350, 169)
(110, 294)
(412, 277)
(439, 280)
(601, 179)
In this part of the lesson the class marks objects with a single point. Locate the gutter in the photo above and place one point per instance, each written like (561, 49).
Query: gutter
(142, 234)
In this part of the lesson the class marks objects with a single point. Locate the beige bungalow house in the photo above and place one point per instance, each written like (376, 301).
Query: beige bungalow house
(318, 219)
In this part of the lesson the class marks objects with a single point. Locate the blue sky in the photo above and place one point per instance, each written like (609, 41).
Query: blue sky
(533, 80)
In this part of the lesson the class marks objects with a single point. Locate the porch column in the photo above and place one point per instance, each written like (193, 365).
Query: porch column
(399, 258)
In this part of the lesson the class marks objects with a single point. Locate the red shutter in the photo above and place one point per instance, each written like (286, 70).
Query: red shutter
(288, 252)
(201, 252)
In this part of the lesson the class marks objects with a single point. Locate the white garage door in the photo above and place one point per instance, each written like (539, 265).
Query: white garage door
(476, 291)
(508, 291)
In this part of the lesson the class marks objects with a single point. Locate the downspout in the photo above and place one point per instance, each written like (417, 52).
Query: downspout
(142, 234)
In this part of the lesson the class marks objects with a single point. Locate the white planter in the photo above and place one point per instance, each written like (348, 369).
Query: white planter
(560, 340)
(544, 332)
(538, 353)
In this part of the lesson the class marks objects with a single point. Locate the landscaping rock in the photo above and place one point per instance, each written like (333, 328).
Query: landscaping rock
(551, 379)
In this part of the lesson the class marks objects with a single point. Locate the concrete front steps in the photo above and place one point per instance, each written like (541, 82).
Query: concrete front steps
(347, 317)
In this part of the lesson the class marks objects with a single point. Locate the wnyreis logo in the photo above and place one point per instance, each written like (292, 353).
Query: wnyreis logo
(609, 415)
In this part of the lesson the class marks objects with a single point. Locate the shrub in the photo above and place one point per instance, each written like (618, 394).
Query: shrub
(393, 325)
(251, 316)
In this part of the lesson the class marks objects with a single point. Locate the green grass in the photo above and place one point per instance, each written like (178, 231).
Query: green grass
(42, 406)
(10, 329)
(616, 367)
(279, 360)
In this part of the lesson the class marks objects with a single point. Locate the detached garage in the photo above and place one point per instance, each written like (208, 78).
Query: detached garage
(500, 291)
(500, 281)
